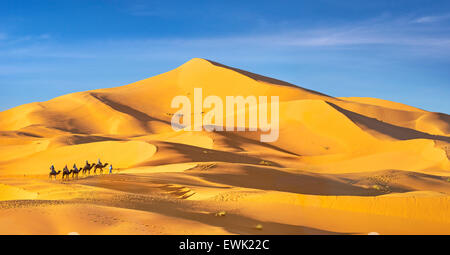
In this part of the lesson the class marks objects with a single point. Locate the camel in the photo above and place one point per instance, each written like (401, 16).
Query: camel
(99, 166)
(66, 172)
(75, 172)
(87, 168)
(51, 174)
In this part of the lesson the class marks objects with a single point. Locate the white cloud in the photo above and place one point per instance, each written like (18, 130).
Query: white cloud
(44, 36)
(431, 19)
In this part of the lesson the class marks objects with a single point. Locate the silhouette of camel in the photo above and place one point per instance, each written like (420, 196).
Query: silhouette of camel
(66, 173)
(51, 174)
(75, 172)
(99, 166)
(87, 168)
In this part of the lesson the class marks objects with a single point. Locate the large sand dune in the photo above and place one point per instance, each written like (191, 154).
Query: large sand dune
(340, 165)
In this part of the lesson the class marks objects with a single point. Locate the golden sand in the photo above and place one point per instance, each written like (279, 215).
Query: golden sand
(340, 165)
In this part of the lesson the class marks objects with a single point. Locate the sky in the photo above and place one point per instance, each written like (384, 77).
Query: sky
(394, 50)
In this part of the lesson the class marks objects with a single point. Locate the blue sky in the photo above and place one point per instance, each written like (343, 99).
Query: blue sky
(395, 50)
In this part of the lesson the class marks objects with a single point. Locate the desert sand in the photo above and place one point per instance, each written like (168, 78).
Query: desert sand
(340, 165)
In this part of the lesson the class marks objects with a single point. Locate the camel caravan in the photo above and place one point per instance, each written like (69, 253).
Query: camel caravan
(86, 170)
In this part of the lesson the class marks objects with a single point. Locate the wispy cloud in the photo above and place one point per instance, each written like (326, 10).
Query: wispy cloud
(431, 19)
(9, 40)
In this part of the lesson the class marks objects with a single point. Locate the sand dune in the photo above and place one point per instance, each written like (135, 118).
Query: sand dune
(340, 166)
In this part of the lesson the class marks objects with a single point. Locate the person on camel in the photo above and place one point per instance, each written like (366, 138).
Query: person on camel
(53, 172)
(52, 169)
(66, 173)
